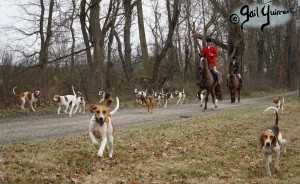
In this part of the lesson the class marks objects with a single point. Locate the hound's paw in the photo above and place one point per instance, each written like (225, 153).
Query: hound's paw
(100, 154)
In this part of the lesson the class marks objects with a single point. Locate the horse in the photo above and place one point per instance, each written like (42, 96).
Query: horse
(209, 83)
(234, 84)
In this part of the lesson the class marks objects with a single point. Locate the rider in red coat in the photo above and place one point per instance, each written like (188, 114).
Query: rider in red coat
(210, 52)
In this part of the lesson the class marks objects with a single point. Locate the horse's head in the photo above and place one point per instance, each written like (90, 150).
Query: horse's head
(203, 64)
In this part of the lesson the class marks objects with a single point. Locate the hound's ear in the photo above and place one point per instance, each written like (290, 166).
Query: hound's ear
(93, 108)
(261, 140)
(274, 142)
(108, 115)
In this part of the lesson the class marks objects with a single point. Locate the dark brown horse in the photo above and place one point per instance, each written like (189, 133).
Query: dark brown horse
(208, 83)
(234, 84)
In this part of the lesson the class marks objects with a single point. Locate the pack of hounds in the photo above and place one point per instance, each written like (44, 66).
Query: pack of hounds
(101, 126)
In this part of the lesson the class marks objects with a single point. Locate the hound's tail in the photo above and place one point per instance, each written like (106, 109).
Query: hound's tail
(73, 90)
(276, 114)
(282, 99)
(116, 108)
(14, 91)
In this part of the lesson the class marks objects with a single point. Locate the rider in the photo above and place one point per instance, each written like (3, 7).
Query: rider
(235, 66)
(209, 52)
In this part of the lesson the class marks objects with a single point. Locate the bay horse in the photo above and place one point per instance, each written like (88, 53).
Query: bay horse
(234, 84)
(209, 83)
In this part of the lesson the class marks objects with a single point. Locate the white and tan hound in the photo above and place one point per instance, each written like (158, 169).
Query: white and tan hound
(271, 140)
(32, 98)
(102, 127)
(66, 101)
(181, 96)
(279, 104)
(80, 103)
(147, 100)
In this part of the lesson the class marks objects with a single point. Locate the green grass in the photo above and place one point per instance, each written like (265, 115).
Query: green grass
(212, 148)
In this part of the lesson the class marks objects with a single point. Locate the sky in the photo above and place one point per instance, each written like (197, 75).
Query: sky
(7, 11)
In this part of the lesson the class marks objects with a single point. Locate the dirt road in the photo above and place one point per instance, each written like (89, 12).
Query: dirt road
(27, 129)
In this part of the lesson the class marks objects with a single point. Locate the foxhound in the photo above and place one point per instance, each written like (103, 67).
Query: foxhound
(147, 100)
(101, 126)
(181, 96)
(158, 97)
(139, 93)
(279, 104)
(80, 102)
(29, 96)
(66, 101)
(167, 97)
(271, 141)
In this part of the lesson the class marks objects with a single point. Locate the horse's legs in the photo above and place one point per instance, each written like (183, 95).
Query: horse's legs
(232, 95)
(215, 101)
(239, 94)
(206, 99)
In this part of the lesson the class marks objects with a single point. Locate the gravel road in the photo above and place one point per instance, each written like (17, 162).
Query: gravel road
(28, 129)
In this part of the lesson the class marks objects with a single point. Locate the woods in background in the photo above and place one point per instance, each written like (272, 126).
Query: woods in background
(97, 44)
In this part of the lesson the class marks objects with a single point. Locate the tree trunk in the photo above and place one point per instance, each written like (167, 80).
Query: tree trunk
(45, 41)
(73, 40)
(142, 35)
(127, 39)
(86, 38)
(96, 36)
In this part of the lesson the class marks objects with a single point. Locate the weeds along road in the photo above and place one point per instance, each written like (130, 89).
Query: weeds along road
(28, 129)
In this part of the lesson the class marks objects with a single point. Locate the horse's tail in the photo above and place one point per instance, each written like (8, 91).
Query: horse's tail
(218, 92)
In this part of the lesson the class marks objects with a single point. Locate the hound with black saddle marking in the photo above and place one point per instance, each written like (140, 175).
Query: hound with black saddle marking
(102, 127)
(32, 98)
(167, 97)
(181, 96)
(271, 141)
(139, 93)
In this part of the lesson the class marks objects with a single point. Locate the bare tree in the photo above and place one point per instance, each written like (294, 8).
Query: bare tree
(173, 20)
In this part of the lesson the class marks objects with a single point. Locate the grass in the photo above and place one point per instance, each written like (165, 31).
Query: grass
(213, 148)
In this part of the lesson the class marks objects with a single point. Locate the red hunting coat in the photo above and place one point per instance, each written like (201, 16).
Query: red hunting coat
(205, 52)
